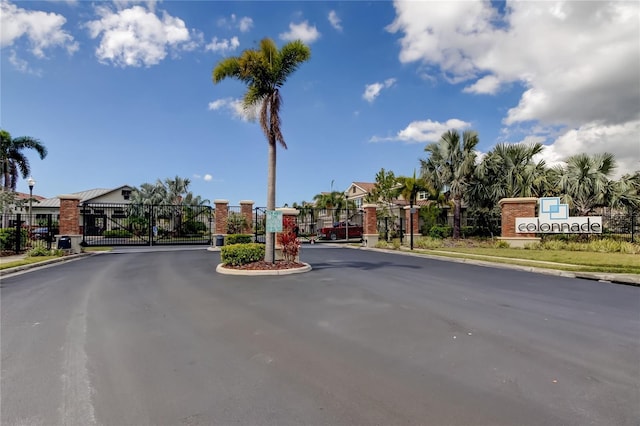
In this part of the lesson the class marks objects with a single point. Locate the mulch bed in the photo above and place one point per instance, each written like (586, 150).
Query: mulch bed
(267, 266)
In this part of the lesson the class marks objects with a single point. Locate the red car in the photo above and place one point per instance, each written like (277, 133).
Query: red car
(339, 232)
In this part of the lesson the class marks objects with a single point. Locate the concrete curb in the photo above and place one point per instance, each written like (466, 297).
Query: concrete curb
(626, 279)
(226, 271)
(50, 262)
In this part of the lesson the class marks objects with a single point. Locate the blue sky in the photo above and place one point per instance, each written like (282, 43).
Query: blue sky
(121, 92)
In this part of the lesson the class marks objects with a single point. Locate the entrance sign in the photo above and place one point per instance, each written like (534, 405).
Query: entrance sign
(553, 218)
(274, 221)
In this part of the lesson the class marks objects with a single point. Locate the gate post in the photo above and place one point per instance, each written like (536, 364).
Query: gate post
(70, 220)
(512, 208)
(370, 225)
(222, 215)
(246, 209)
(289, 223)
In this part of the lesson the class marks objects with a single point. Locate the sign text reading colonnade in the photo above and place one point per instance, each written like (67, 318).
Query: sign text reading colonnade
(553, 217)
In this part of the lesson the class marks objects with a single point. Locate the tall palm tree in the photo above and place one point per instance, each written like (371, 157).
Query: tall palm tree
(585, 181)
(333, 201)
(626, 192)
(451, 165)
(409, 188)
(13, 160)
(176, 189)
(509, 171)
(264, 71)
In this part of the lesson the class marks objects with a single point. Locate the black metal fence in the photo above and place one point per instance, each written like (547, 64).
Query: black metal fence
(106, 224)
(22, 232)
(621, 226)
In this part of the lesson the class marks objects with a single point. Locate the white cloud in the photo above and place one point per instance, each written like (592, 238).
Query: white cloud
(618, 139)
(302, 31)
(137, 36)
(335, 20)
(22, 65)
(223, 45)
(207, 177)
(236, 107)
(487, 85)
(424, 131)
(578, 62)
(372, 91)
(42, 29)
(245, 24)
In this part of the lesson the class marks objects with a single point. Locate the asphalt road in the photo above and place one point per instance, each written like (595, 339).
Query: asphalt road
(366, 338)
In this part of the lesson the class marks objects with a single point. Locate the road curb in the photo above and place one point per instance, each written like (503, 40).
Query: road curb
(228, 271)
(625, 279)
(62, 259)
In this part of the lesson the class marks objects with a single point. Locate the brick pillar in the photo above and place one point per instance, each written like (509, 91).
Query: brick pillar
(511, 208)
(416, 220)
(370, 225)
(246, 209)
(222, 214)
(289, 222)
(69, 215)
(69, 224)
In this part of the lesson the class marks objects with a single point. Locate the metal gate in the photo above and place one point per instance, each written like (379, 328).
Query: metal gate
(391, 223)
(106, 224)
(347, 224)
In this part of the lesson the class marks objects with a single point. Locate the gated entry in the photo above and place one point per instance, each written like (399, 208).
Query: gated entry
(311, 220)
(138, 224)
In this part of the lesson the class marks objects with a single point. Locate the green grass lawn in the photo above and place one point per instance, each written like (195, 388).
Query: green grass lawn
(26, 261)
(560, 259)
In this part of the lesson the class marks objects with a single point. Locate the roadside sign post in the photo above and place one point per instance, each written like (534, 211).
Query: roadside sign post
(274, 224)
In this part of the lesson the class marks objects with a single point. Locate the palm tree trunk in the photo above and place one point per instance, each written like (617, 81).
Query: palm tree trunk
(457, 207)
(270, 237)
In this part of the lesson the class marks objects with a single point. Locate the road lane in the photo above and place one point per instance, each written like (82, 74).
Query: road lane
(365, 338)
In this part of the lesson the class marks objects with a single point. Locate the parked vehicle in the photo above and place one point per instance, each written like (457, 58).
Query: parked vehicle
(339, 231)
(40, 233)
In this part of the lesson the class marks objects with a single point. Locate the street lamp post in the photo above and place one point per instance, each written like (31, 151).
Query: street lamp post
(31, 183)
(346, 222)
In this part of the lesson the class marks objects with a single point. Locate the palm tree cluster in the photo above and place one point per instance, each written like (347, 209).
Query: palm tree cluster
(167, 192)
(514, 170)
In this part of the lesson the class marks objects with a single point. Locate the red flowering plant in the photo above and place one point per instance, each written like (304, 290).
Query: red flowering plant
(290, 245)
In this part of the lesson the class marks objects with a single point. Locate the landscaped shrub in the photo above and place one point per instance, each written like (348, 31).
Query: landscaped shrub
(440, 231)
(8, 238)
(238, 239)
(236, 223)
(428, 243)
(241, 254)
(383, 244)
(117, 233)
(193, 227)
(501, 244)
(604, 245)
(39, 251)
(290, 245)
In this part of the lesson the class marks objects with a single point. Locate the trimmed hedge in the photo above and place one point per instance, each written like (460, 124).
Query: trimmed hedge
(8, 238)
(241, 254)
(440, 231)
(239, 239)
(117, 233)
